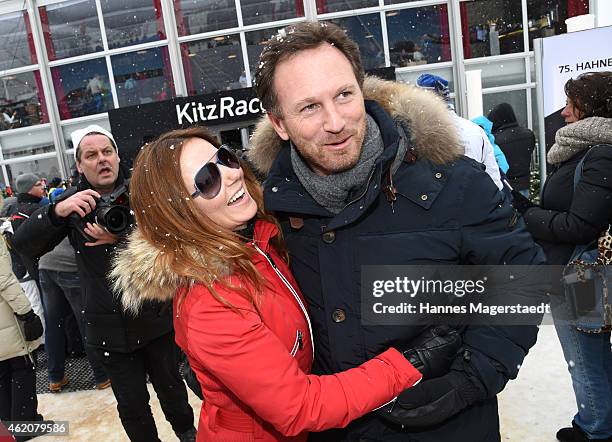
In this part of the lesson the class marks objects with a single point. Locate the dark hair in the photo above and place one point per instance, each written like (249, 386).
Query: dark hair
(293, 39)
(591, 94)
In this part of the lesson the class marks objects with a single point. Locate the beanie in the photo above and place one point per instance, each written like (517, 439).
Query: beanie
(434, 82)
(78, 135)
(25, 182)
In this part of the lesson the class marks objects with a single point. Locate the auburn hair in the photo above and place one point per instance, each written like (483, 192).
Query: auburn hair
(191, 244)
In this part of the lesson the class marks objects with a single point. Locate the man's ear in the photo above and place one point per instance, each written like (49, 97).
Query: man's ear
(279, 126)
(78, 166)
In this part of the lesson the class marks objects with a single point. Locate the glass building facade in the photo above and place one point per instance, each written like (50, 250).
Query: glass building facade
(64, 64)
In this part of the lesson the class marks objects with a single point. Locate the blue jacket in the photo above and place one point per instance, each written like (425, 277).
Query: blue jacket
(487, 126)
(448, 211)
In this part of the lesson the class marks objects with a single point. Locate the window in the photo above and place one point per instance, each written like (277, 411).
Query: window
(517, 99)
(143, 77)
(214, 64)
(491, 27)
(258, 11)
(547, 17)
(17, 45)
(366, 31)
(132, 22)
(82, 88)
(197, 16)
(46, 168)
(71, 28)
(500, 73)
(418, 36)
(255, 41)
(21, 101)
(326, 6)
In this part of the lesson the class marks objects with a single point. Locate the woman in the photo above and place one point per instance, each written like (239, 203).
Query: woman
(204, 240)
(516, 142)
(567, 218)
(20, 336)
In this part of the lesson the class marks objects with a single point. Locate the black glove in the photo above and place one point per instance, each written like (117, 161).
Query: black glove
(436, 400)
(521, 203)
(32, 326)
(433, 351)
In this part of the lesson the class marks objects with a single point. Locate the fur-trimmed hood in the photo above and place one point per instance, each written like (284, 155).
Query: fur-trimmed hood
(433, 132)
(140, 272)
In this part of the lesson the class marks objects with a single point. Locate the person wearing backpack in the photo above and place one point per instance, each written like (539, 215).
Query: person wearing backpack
(575, 210)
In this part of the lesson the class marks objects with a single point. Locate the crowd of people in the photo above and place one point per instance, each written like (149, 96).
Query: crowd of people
(258, 284)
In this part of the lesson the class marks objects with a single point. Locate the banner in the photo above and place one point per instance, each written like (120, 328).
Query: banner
(566, 56)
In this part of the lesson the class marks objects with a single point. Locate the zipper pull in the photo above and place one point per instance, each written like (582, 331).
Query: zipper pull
(300, 340)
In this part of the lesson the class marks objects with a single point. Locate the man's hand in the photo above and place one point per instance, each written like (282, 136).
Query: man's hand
(436, 400)
(81, 203)
(433, 351)
(100, 234)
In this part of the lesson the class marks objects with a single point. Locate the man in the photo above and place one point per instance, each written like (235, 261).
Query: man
(373, 182)
(130, 348)
(30, 195)
(475, 142)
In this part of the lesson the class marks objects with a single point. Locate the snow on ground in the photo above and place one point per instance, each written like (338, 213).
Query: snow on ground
(532, 407)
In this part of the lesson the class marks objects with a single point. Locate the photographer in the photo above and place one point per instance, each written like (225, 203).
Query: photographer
(129, 347)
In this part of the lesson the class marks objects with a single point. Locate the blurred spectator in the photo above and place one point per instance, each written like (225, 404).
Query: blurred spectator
(516, 142)
(487, 126)
(475, 142)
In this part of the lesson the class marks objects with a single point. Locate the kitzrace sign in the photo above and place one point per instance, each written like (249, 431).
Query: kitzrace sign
(133, 126)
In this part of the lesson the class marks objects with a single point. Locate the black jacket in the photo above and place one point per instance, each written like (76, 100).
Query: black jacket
(444, 214)
(107, 326)
(516, 142)
(566, 218)
(24, 208)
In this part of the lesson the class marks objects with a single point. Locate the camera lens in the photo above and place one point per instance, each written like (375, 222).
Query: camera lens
(114, 218)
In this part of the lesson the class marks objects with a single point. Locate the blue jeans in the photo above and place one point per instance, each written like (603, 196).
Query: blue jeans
(62, 291)
(589, 359)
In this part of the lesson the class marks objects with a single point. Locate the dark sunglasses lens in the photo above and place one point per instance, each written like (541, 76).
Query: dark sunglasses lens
(228, 158)
(208, 180)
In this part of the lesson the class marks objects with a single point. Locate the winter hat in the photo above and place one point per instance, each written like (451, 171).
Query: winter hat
(434, 82)
(25, 182)
(78, 135)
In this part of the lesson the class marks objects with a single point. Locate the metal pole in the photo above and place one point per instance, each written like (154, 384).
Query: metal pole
(174, 49)
(538, 51)
(47, 84)
(456, 34)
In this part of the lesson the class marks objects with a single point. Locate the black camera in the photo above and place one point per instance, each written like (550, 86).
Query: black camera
(112, 212)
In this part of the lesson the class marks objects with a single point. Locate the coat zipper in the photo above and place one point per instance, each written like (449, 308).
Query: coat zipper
(364, 192)
(299, 343)
(295, 295)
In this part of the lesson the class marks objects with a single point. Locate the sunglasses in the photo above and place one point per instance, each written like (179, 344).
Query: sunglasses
(207, 180)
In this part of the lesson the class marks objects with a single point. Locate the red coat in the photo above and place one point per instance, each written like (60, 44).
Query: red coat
(254, 368)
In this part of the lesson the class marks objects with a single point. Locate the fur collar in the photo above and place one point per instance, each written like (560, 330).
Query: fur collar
(433, 133)
(140, 272)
